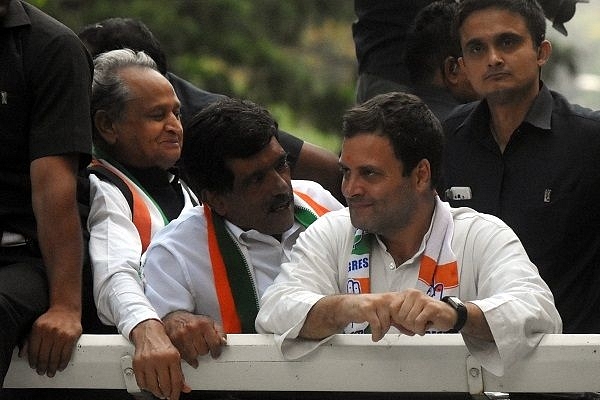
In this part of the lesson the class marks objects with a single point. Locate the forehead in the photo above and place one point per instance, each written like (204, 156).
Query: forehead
(145, 84)
(264, 159)
(366, 149)
(490, 22)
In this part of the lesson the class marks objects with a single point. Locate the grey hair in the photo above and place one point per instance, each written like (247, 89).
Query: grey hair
(109, 91)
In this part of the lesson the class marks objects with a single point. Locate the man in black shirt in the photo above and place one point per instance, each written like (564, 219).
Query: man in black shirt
(527, 155)
(45, 77)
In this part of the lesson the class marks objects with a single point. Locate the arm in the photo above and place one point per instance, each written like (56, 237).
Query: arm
(317, 164)
(54, 334)
(411, 311)
(179, 284)
(115, 251)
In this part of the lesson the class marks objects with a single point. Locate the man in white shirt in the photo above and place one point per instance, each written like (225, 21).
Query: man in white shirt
(205, 271)
(138, 137)
(399, 259)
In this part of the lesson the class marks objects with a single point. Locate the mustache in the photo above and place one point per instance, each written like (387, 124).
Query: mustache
(281, 200)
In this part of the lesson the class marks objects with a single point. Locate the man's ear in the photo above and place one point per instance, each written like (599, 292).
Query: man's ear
(544, 52)
(105, 126)
(451, 70)
(214, 200)
(422, 174)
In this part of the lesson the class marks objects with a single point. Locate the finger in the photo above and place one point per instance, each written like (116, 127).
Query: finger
(42, 357)
(153, 383)
(140, 376)
(65, 355)
(176, 381)
(53, 360)
(376, 331)
(33, 350)
(189, 353)
(164, 382)
(214, 342)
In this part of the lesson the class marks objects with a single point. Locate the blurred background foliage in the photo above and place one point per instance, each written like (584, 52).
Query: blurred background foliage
(295, 57)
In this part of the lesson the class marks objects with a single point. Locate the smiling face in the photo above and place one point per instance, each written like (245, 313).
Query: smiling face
(499, 55)
(380, 199)
(261, 197)
(149, 132)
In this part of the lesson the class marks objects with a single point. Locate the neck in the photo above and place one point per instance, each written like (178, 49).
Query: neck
(404, 243)
(507, 116)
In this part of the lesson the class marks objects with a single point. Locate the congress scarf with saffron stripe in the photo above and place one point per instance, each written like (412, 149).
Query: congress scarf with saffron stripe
(237, 295)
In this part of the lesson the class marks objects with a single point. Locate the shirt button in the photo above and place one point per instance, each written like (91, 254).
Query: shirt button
(392, 266)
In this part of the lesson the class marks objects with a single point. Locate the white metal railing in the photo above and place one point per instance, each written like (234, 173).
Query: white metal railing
(353, 363)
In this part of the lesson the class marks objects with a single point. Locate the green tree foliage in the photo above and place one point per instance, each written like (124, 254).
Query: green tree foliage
(294, 55)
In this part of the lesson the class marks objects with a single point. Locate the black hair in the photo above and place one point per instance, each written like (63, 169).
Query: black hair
(119, 33)
(224, 130)
(413, 130)
(430, 40)
(530, 10)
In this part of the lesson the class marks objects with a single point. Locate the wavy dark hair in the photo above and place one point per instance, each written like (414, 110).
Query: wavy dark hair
(227, 129)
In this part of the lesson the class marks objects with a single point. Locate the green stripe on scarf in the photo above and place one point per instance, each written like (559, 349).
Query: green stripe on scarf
(242, 287)
(240, 281)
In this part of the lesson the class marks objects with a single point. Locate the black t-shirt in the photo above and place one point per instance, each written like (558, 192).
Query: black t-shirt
(45, 78)
(380, 35)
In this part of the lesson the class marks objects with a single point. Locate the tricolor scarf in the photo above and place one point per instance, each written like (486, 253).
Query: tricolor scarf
(438, 271)
(237, 295)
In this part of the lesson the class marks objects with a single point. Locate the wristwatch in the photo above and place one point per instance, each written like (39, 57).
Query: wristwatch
(461, 310)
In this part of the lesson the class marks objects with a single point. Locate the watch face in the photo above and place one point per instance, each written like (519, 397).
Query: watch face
(455, 302)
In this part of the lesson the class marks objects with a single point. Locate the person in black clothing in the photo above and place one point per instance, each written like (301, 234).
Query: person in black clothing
(528, 156)
(45, 77)
(431, 58)
(380, 35)
(307, 160)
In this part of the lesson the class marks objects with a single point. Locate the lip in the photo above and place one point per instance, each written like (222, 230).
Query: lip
(280, 207)
(171, 142)
(496, 75)
(355, 205)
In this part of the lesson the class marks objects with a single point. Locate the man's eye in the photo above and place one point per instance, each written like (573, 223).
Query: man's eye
(475, 49)
(369, 172)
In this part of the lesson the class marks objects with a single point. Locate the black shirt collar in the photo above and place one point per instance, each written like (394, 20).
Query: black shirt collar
(16, 16)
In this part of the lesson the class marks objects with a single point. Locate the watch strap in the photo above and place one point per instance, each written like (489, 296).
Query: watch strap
(461, 311)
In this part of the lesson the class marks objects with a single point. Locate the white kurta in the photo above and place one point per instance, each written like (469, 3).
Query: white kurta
(115, 251)
(177, 268)
(494, 273)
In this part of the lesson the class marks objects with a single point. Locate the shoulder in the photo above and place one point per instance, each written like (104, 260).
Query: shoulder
(45, 28)
(458, 116)
(563, 109)
(317, 193)
(310, 188)
(190, 224)
(468, 220)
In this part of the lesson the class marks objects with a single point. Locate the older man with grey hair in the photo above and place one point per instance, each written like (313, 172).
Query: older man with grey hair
(138, 136)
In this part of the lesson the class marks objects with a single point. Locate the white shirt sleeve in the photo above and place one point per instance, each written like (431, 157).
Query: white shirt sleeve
(115, 250)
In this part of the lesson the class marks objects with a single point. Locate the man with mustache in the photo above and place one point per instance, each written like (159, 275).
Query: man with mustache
(206, 271)
(398, 259)
(527, 155)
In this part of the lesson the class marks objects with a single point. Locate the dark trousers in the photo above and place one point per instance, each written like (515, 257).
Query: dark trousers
(23, 298)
